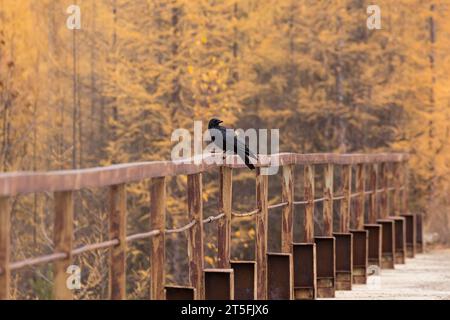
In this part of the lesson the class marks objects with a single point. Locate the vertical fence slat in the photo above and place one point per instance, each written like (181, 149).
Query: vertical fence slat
(384, 202)
(262, 182)
(195, 237)
(287, 195)
(397, 185)
(373, 195)
(118, 230)
(5, 250)
(158, 222)
(360, 203)
(328, 202)
(405, 185)
(308, 221)
(63, 233)
(224, 224)
(346, 193)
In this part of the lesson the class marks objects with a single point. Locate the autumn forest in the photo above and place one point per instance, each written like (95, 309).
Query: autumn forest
(114, 90)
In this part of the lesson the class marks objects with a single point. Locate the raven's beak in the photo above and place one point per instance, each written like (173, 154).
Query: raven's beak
(220, 121)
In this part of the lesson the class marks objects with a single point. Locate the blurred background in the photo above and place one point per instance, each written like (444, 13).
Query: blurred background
(114, 90)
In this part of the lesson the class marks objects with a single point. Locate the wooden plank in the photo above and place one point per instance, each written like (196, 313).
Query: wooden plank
(360, 203)
(71, 180)
(195, 237)
(308, 221)
(5, 248)
(384, 202)
(345, 203)
(287, 195)
(224, 224)
(373, 169)
(396, 201)
(262, 183)
(328, 202)
(158, 222)
(405, 182)
(118, 230)
(63, 234)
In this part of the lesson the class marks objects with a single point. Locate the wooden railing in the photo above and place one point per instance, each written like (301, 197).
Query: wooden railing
(387, 173)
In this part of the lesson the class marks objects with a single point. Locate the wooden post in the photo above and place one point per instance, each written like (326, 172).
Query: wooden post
(158, 222)
(63, 233)
(287, 195)
(384, 204)
(404, 206)
(224, 224)
(261, 234)
(308, 221)
(360, 204)
(5, 250)
(396, 201)
(346, 193)
(328, 202)
(373, 196)
(118, 230)
(195, 239)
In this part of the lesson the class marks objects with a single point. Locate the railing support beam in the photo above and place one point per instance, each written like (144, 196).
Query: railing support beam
(195, 238)
(158, 222)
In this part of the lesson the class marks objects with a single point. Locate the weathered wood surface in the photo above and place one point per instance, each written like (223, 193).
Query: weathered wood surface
(262, 188)
(384, 180)
(373, 173)
(118, 230)
(195, 237)
(396, 200)
(28, 182)
(157, 222)
(328, 202)
(5, 249)
(360, 201)
(224, 225)
(62, 239)
(345, 202)
(287, 195)
(308, 221)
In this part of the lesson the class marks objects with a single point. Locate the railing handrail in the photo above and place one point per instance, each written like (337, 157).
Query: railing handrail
(16, 183)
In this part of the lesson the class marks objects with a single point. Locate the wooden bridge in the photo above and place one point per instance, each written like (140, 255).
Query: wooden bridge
(315, 267)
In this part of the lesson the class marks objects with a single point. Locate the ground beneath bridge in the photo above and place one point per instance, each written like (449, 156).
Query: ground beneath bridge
(427, 276)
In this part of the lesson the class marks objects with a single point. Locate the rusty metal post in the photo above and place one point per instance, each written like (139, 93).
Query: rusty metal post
(304, 254)
(261, 234)
(400, 222)
(118, 230)
(374, 229)
(388, 225)
(63, 233)
(224, 224)
(158, 222)
(5, 249)
(326, 245)
(344, 239)
(195, 238)
(360, 236)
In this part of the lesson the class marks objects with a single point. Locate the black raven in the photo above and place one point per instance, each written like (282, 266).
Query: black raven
(239, 146)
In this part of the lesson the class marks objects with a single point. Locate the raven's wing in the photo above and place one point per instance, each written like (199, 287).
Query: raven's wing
(242, 149)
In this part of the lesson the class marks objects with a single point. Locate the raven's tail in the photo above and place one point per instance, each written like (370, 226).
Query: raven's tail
(248, 163)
